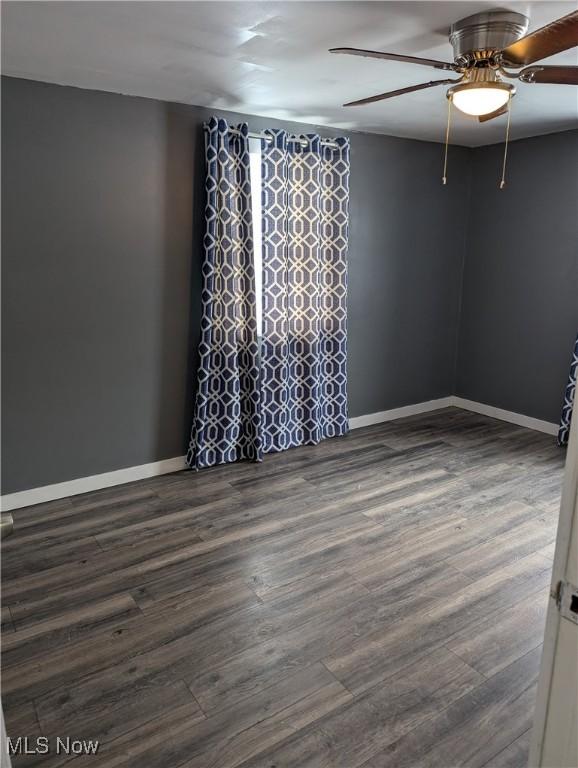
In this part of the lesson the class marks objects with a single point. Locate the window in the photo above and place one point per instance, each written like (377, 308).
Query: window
(255, 171)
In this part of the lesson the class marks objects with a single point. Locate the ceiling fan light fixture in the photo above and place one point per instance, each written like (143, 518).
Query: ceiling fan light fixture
(480, 98)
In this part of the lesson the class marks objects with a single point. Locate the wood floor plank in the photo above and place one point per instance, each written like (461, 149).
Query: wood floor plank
(356, 731)
(44, 512)
(116, 713)
(32, 640)
(74, 522)
(434, 539)
(226, 740)
(157, 741)
(521, 540)
(375, 655)
(178, 641)
(6, 624)
(254, 668)
(474, 729)
(489, 646)
(43, 555)
(209, 600)
(515, 755)
(58, 578)
(367, 600)
(169, 517)
(548, 550)
(132, 565)
(94, 577)
(22, 721)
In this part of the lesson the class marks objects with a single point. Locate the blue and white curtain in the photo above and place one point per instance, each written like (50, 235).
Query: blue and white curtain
(569, 398)
(305, 196)
(226, 422)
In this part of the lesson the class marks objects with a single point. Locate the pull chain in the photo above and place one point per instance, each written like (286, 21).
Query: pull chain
(444, 177)
(503, 181)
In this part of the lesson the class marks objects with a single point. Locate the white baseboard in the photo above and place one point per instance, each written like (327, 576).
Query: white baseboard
(91, 483)
(499, 413)
(399, 413)
(130, 474)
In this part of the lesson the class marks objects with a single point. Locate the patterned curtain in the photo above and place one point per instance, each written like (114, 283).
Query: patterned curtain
(226, 422)
(569, 396)
(305, 193)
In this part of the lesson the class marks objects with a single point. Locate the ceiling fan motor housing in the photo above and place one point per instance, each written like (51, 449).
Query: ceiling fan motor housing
(479, 37)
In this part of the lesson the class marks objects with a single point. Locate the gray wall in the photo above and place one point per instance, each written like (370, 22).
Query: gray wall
(520, 293)
(102, 200)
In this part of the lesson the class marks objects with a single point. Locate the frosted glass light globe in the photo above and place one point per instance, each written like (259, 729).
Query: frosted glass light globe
(480, 100)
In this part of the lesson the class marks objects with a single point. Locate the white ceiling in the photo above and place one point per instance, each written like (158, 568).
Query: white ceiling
(271, 59)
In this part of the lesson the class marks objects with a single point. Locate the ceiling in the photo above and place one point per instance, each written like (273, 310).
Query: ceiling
(271, 59)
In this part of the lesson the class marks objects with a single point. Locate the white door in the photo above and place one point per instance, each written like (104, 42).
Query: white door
(4, 757)
(555, 734)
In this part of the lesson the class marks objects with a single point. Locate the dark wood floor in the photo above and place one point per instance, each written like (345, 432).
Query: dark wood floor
(378, 600)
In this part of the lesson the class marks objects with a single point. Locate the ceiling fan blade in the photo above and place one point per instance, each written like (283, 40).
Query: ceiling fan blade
(399, 92)
(559, 35)
(395, 57)
(491, 115)
(554, 75)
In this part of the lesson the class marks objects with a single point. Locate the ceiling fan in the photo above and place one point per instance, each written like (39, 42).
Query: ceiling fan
(487, 45)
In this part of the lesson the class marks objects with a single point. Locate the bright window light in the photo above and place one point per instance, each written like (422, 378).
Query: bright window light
(255, 172)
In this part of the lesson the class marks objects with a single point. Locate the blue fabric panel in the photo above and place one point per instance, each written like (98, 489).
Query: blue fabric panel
(569, 397)
(226, 422)
(305, 196)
